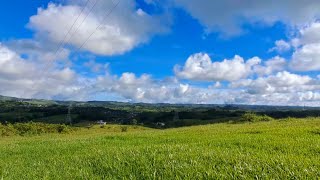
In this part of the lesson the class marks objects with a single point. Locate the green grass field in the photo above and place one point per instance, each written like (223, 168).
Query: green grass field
(288, 149)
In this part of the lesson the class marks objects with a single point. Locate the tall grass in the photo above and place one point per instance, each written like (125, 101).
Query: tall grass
(32, 128)
(287, 149)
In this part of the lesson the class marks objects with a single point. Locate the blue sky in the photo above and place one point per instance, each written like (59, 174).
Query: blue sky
(174, 51)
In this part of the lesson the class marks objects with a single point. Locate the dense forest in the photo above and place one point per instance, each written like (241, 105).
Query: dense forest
(13, 110)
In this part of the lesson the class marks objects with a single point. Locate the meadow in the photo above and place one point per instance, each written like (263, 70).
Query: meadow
(282, 149)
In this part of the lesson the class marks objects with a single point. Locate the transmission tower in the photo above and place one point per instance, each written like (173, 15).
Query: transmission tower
(69, 118)
(176, 116)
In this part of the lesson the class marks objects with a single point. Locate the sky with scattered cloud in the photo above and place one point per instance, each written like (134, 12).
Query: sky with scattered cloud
(170, 51)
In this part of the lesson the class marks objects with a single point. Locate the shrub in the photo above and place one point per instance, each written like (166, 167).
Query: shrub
(249, 117)
(134, 122)
(316, 131)
(124, 128)
(7, 130)
(63, 128)
(266, 118)
(32, 128)
(252, 117)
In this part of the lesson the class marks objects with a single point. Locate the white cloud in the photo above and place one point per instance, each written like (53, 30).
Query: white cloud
(200, 67)
(96, 67)
(228, 16)
(11, 64)
(283, 82)
(306, 46)
(284, 88)
(40, 52)
(124, 29)
(271, 66)
(143, 88)
(20, 77)
(22, 61)
(310, 34)
(309, 96)
(281, 46)
(215, 85)
(306, 58)
(28, 78)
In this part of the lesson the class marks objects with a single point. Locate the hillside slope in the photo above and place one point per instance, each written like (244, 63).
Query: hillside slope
(268, 150)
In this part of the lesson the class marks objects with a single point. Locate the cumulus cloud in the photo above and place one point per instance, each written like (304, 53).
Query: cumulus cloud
(215, 85)
(283, 82)
(145, 89)
(281, 46)
(283, 88)
(229, 16)
(307, 49)
(310, 34)
(20, 77)
(124, 29)
(200, 67)
(39, 51)
(96, 67)
(251, 81)
(271, 66)
(306, 58)
(26, 78)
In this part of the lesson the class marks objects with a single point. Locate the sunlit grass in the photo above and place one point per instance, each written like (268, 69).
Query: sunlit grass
(265, 150)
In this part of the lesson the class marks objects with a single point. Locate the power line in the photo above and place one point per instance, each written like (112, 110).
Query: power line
(57, 52)
(62, 42)
(100, 24)
(103, 19)
(47, 65)
(69, 118)
(83, 20)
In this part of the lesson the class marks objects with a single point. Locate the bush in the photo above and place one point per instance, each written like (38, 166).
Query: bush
(124, 128)
(266, 118)
(252, 117)
(7, 130)
(63, 128)
(316, 131)
(32, 128)
(249, 117)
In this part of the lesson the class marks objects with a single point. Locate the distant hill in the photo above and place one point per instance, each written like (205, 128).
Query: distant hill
(158, 105)
(6, 98)
(31, 101)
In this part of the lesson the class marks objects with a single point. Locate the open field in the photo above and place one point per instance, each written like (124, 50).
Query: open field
(287, 149)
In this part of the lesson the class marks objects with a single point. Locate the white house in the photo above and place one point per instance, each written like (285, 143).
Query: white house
(101, 122)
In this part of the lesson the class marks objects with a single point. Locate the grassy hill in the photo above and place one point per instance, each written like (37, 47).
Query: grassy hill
(287, 149)
(6, 98)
